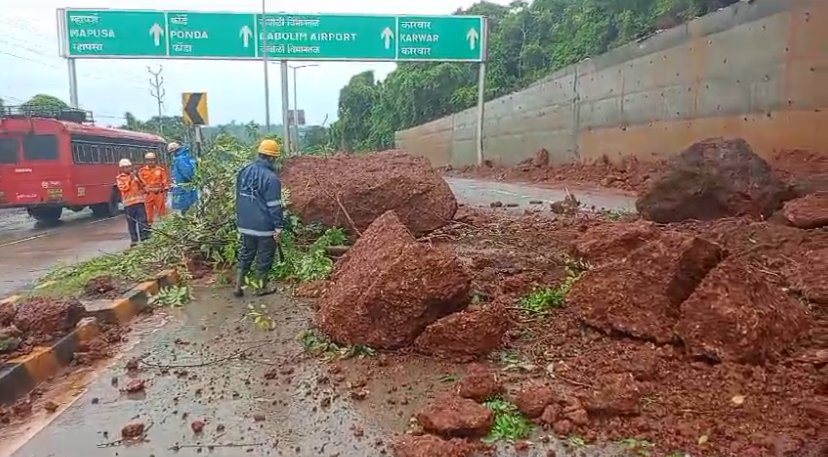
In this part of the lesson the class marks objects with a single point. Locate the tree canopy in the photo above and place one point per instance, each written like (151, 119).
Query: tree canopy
(527, 41)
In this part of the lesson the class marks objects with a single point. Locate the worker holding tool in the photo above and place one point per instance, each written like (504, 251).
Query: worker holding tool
(156, 182)
(259, 216)
(184, 195)
(132, 196)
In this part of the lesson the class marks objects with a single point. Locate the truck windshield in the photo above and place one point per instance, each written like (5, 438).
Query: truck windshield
(8, 150)
(40, 147)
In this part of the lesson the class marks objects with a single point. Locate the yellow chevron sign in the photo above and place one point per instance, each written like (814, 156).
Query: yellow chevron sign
(194, 108)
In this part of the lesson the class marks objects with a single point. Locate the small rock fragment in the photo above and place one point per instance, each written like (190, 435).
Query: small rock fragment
(132, 430)
(197, 425)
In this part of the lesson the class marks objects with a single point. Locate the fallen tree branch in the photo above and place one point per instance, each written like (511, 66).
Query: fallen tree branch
(214, 445)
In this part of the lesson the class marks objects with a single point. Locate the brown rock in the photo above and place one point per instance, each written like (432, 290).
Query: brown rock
(99, 286)
(259, 417)
(578, 417)
(132, 430)
(641, 295)
(610, 242)
(550, 414)
(562, 427)
(712, 179)
(7, 312)
(736, 315)
(541, 158)
(44, 318)
(808, 212)
(134, 385)
(367, 186)
(617, 395)
(431, 446)
(197, 425)
(533, 399)
(50, 406)
(388, 288)
(456, 417)
(465, 334)
(480, 383)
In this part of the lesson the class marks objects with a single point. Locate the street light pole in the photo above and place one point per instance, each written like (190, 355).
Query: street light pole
(264, 61)
(296, 102)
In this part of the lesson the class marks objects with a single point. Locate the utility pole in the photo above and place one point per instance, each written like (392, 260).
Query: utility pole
(158, 93)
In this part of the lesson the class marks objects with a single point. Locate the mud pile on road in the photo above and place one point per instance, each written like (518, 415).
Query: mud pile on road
(388, 288)
(351, 191)
(629, 174)
(696, 331)
(712, 179)
(35, 321)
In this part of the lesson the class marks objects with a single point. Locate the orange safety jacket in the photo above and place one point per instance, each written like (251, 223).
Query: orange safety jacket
(155, 178)
(132, 191)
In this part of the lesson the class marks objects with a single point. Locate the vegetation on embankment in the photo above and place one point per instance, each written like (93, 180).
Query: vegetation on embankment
(527, 41)
(206, 237)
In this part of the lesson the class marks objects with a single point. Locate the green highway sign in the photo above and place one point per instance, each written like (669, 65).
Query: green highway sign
(93, 34)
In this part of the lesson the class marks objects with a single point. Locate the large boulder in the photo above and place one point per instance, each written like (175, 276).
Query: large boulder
(808, 212)
(388, 288)
(613, 241)
(712, 179)
(735, 315)
(640, 295)
(322, 189)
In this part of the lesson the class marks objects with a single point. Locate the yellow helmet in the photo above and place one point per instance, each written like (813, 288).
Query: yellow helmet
(269, 148)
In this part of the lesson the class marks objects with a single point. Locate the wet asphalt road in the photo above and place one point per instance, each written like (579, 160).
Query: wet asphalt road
(205, 362)
(304, 411)
(27, 252)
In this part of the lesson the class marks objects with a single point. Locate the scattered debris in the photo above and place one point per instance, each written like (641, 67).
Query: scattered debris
(712, 179)
(100, 287)
(197, 425)
(480, 383)
(134, 385)
(44, 319)
(132, 430)
(618, 395)
(51, 406)
(533, 399)
(432, 446)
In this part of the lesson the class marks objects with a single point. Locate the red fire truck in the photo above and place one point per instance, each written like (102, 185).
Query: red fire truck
(51, 159)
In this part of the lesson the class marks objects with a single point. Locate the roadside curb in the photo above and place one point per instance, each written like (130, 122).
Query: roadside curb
(21, 375)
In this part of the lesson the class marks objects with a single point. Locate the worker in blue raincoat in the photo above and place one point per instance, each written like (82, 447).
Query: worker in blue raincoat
(183, 167)
(259, 216)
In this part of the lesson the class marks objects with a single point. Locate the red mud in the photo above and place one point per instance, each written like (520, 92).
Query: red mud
(100, 287)
(432, 446)
(366, 186)
(608, 243)
(630, 174)
(480, 383)
(667, 396)
(641, 294)
(388, 288)
(43, 319)
(712, 179)
(806, 170)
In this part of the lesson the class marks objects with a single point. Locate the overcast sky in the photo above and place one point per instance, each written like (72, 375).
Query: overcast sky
(30, 62)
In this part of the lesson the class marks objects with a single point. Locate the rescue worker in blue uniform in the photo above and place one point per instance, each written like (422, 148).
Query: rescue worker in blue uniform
(259, 216)
(183, 167)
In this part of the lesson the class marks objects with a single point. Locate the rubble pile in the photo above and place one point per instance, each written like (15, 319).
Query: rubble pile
(351, 191)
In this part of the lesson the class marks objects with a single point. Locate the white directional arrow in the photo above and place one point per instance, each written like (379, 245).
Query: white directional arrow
(156, 31)
(386, 35)
(472, 36)
(246, 33)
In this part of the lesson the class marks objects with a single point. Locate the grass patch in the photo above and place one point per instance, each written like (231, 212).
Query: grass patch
(319, 344)
(638, 447)
(509, 424)
(542, 300)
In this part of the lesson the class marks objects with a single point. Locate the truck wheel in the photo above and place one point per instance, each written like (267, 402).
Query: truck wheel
(47, 215)
(107, 209)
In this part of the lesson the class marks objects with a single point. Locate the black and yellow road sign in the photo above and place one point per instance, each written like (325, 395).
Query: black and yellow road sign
(194, 107)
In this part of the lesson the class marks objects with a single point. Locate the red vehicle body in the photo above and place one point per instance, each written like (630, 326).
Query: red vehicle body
(49, 163)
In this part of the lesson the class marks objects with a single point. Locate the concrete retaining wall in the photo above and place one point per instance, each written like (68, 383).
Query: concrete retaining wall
(754, 70)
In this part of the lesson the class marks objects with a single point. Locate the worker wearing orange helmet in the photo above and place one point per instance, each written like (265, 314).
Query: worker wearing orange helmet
(156, 183)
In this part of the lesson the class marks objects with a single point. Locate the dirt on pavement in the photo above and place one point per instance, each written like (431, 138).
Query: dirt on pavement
(43, 319)
(351, 191)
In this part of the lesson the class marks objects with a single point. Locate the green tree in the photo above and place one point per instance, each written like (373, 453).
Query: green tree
(44, 101)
